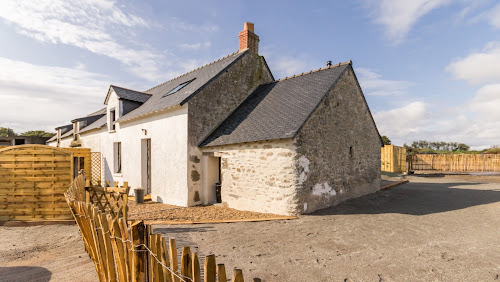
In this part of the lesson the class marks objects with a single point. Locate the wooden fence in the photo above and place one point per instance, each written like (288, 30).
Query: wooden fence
(393, 158)
(455, 162)
(123, 252)
(33, 179)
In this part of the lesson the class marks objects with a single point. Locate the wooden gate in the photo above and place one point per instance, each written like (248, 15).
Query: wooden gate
(33, 179)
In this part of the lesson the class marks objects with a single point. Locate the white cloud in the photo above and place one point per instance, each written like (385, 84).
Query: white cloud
(196, 46)
(43, 97)
(486, 102)
(373, 84)
(480, 67)
(398, 17)
(401, 123)
(84, 24)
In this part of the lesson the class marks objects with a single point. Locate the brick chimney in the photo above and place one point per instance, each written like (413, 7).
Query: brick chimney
(248, 39)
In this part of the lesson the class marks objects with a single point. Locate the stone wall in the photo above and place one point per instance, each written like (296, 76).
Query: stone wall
(214, 104)
(259, 176)
(338, 149)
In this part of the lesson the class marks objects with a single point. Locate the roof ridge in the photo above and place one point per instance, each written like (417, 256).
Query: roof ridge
(232, 54)
(112, 85)
(311, 71)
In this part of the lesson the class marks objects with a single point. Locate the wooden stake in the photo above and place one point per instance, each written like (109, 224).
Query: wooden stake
(221, 273)
(195, 267)
(167, 275)
(237, 275)
(139, 259)
(173, 259)
(210, 269)
(186, 262)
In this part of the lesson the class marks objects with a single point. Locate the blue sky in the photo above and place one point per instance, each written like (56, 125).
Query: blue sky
(430, 69)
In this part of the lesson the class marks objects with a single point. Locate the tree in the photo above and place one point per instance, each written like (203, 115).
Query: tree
(39, 133)
(7, 132)
(463, 147)
(386, 140)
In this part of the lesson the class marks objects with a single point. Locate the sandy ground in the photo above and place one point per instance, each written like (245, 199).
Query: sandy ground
(431, 229)
(44, 253)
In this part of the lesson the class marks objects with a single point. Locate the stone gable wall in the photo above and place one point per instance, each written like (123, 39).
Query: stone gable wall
(338, 149)
(214, 104)
(259, 176)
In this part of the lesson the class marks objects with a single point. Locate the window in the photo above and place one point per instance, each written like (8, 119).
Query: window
(118, 157)
(178, 87)
(112, 118)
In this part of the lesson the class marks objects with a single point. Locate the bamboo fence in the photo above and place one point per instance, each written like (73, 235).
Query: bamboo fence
(393, 158)
(455, 162)
(131, 252)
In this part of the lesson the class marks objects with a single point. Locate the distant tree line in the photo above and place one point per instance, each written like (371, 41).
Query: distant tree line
(9, 132)
(438, 146)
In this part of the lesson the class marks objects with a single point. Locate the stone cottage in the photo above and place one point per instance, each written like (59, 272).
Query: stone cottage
(229, 132)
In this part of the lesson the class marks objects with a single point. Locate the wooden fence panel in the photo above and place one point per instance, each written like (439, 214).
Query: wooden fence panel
(393, 158)
(33, 179)
(455, 162)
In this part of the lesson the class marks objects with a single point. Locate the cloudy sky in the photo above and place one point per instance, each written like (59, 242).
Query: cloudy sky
(430, 69)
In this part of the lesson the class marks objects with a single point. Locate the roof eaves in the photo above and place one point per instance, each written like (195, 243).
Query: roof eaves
(267, 66)
(366, 104)
(145, 114)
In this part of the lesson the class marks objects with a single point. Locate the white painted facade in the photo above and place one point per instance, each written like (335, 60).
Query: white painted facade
(168, 134)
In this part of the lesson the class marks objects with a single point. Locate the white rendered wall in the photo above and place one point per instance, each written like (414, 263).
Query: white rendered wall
(66, 142)
(168, 134)
(92, 139)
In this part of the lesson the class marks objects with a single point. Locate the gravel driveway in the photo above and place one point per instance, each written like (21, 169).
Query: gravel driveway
(431, 229)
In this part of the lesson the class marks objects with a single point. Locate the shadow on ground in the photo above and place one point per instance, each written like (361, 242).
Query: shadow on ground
(179, 230)
(25, 273)
(418, 199)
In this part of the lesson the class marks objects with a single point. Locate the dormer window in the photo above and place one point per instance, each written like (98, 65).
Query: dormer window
(112, 118)
(178, 87)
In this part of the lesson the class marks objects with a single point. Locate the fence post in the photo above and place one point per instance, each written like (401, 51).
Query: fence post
(195, 263)
(210, 268)
(167, 276)
(237, 275)
(173, 259)
(221, 273)
(186, 262)
(139, 255)
(125, 200)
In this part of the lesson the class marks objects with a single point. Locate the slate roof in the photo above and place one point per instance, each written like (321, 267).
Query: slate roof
(53, 138)
(101, 122)
(67, 134)
(276, 110)
(201, 77)
(99, 112)
(129, 94)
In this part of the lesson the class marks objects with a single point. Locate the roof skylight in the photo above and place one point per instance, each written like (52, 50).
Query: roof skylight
(178, 87)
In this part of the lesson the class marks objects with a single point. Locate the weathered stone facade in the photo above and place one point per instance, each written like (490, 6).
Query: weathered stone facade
(215, 103)
(335, 156)
(259, 176)
(338, 149)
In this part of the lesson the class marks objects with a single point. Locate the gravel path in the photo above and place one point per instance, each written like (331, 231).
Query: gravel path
(157, 211)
